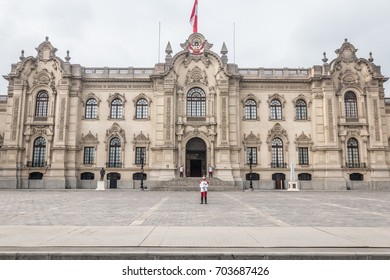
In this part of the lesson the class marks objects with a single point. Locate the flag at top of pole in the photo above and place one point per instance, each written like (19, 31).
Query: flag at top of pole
(194, 17)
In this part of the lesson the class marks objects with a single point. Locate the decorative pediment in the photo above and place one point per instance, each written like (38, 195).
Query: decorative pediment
(141, 140)
(251, 137)
(46, 51)
(276, 96)
(41, 130)
(89, 138)
(277, 131)
(347, 52)
(116, 130)
(196, 44)
(250, 96)
(196, 76)
(89, 96)
(349, 78)
(43, 78)
(197, 49)
(251, 140)
(141, 137)
(303, 140)
(111, 97)
(141, 96)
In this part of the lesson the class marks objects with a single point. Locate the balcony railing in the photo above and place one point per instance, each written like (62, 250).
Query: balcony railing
(349, 119)
(36, 164)
(114, 164)
(278, 165)
(355, 165)
(40, 119)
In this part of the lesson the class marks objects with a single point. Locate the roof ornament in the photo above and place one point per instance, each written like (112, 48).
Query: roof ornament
(168, 51)
(370, 59)
(224, 52)
(67, 57)
(325, 59)
(21, 57)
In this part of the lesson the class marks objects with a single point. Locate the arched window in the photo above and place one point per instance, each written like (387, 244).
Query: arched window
(353, 153)
(350, 105)
(277, 153)
(39, 152)
(116, 109)
(141, 111)
(114, 157)
(91, 109)
(275, 110)
(41, 105)
(196, 103)
(300, 110)
(250, 110)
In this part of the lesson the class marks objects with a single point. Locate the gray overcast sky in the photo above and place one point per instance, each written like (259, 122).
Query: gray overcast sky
(124, 33)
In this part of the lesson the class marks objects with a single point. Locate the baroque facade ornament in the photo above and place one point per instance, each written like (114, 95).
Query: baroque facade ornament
(115, 130)
(141, 140)
(277, 131)
(196, 76)
(89, 138)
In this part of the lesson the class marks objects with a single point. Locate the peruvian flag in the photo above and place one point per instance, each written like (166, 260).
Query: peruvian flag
(194, 17)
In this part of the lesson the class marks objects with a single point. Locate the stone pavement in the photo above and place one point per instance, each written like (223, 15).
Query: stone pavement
(131, 224)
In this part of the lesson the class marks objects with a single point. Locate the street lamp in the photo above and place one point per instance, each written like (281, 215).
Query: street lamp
(142, 171)
(250, 170)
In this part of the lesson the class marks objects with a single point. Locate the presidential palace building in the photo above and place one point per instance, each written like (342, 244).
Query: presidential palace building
(61, 123)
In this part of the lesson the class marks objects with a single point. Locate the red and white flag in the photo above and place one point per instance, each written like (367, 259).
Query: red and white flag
(194, 17)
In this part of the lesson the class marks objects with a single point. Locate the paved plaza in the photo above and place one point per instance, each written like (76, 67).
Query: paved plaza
(127, 223)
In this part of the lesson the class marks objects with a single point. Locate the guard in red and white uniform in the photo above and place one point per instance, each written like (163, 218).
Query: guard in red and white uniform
(203, 185)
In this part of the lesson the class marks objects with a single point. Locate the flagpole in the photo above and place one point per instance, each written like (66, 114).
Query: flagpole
(159, 41)
(234, 43)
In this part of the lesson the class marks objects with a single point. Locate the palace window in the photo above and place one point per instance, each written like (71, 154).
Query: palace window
(116, 109)
(251, 152)
(91, 109)
(275, 110)
(356, 177)
(277, 153)
(39, 152)
(303, 156)
(140, 155)
(87, 176)
(196, 103)
(304, 177)
(300, 110)
(250, 110)
(353, 153)
(41, 105)
(114, 157)
(350, 105)
(89, 155)
(141, 111)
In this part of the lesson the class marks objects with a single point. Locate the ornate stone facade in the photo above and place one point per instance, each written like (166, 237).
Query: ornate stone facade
(63, 122)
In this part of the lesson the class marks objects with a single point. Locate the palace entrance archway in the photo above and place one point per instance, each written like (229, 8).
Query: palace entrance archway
(196, 157)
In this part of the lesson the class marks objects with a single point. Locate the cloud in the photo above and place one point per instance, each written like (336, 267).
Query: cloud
(125, 32)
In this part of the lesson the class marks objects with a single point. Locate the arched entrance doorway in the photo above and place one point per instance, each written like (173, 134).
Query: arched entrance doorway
(196, 157)
(279, 179)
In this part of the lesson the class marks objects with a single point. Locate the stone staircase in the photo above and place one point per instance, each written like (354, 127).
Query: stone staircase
(192, 184)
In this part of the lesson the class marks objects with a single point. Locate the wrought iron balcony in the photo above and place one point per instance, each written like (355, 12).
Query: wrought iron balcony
(355, 165)
(38, 163)
(278, 165)
(114, 164)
